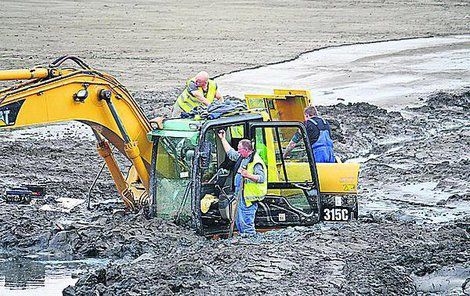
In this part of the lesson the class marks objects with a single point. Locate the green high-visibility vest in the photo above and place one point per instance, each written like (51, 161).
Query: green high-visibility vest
(253, 191)
(187, 101)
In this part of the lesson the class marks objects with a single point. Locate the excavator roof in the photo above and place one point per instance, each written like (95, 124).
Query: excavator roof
(188, 128)
(283, 105)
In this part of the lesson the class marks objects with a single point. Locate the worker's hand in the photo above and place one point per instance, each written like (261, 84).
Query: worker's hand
(158, 121)
(288, 149)
(286, 153)
(244, 173)
(221, 134)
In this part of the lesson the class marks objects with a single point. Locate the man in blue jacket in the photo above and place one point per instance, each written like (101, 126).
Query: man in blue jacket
(319, 136)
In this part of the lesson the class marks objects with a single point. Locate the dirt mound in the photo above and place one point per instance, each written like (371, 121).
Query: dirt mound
(441, 99)
(360, 128)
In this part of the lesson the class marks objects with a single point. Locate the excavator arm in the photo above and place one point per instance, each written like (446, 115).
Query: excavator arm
(58, 94)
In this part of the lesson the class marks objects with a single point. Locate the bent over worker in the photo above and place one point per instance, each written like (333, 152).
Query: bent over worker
(199, 91)
(250, 179)
(319, 136)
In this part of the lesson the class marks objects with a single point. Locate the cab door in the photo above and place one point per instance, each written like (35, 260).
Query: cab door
(293, 191)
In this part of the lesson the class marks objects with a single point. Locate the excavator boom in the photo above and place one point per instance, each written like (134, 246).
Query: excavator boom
(54, 94)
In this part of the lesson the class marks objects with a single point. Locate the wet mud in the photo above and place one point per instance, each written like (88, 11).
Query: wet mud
(413, 229)
(412, 236)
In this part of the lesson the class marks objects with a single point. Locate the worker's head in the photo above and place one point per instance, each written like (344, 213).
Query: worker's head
(245, 148)
(310, 112)
(201, 79)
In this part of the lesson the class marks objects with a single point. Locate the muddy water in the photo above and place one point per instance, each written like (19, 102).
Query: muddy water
(37, 274)
(387, 74)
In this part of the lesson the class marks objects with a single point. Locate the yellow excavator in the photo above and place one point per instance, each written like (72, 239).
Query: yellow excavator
(179, 169)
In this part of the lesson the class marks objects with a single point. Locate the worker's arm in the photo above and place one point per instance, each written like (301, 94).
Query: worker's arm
(289, 148)
(257, 176)
(200, 97)
(231, 153)
(218, 96)
(293, 142)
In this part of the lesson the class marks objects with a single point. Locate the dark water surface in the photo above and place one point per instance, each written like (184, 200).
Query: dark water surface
(40, 274)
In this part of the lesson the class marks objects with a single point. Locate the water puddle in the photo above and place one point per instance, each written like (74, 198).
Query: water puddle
(422, 202)
(388, 74)
(38, 275)
(449, 280)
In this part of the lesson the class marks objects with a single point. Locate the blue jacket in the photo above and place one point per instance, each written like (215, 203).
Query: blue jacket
(323, 146)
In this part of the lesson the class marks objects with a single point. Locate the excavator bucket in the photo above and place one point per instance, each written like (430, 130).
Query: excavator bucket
(288, 105)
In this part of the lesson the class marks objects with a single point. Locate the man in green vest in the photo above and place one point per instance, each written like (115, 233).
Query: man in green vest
(199, 91)
(251, 183)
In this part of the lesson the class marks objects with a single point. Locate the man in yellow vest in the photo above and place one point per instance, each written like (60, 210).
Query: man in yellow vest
(199, 91)
(250, 179)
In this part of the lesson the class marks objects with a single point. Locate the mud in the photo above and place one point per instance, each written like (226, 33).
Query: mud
(400, 240)
(412, 236)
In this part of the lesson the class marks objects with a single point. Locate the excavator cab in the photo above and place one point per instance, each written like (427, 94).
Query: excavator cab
(192, 178)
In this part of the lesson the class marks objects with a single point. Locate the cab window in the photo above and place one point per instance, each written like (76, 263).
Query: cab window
(173, 172)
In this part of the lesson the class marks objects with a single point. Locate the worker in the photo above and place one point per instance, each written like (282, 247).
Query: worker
(319, 136)
(250, 182)
(199, 91)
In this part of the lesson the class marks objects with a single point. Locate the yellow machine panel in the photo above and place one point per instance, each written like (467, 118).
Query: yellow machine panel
(283, 105)
(338, 178)
(334, 178)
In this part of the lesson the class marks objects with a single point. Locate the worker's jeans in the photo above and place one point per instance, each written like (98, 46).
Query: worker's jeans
(246, 217)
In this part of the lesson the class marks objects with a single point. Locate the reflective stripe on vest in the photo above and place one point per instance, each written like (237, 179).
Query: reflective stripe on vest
(187, 101)
(253, 191)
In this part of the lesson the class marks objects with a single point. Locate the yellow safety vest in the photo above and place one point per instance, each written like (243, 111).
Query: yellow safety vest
(187, 101)
(253, 191)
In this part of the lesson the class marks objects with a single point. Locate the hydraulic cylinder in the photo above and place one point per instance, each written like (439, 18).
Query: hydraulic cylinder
(24, 74)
